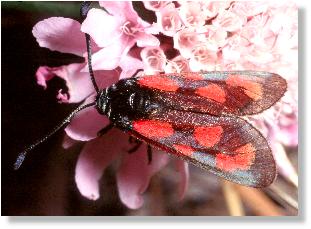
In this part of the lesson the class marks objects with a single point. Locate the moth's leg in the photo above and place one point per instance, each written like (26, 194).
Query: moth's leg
(105, 130)
(135, 147)
(149, 154)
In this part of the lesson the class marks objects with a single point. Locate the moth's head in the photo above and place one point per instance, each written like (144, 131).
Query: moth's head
(102, 100)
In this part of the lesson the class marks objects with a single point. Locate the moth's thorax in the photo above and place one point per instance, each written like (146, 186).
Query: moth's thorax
(125, 101)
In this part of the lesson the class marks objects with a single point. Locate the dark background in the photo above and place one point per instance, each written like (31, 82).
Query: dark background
(45, 185)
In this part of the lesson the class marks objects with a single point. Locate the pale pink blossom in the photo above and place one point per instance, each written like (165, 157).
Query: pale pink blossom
(79, 85)
(258, 33)
(213, 8)
(192, 15)
(133, 182)
(105, 59)
(236, 47)
(182, 168)
(229, 21)
(52, 33)
(216, 37)
(168, 20)
(95, 156)
(177, 65)
(202, 58)
(154, 60)
(155, 5)
(249, 8)
(122, 28)
(185, 40)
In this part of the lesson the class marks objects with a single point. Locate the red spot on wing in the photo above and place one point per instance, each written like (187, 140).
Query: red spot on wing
(153, 129)
(242, 159)
(208, 136)
(192, 76)
(184, 149)
(212, 91)
(159, 82)
(252, 89)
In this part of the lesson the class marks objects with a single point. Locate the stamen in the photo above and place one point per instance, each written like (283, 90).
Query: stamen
(130, 30)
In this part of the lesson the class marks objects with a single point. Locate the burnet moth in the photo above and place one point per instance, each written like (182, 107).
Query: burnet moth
(195, 116)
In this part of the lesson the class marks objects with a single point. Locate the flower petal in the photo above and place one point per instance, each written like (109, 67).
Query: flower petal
(134, 175)
(155, 5)
(86, 124)
(123, 9)
(183, 169)
(169, 20)
(107, 58)
(144, 39)
(185, 40)
(192, 14)
(103, 34)
(95, 156)
(154, 59)
(129, 66)
(68, 142)
(177, 64)
(60, 34)
(78, 83)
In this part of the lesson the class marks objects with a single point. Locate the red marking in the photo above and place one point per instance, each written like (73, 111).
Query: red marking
(208, 136)
(159, 82)
(212, 91)
(184, 149)
(252, 89)
(192, 76)
(243, 159)
(151, 128)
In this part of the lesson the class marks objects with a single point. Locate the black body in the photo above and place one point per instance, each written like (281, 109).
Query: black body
(126, 101)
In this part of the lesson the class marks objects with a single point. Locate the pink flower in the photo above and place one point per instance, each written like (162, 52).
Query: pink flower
(229, 21)
(192, 15)
(155, 5)
(212, 9)
(216, 37)
(121, 28)
(105, 60)
(185, 40)
(177, 65)
(258, 32)
(202, 58)
(78, 83)
(236, 47)
(154, 60)
(251, 8)
(53, 33)
(168, 20)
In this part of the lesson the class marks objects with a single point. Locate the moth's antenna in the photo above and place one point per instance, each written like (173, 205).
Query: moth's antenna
(22, 155)
(85, 7)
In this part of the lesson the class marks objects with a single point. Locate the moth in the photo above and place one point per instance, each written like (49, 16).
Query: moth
(195, 116)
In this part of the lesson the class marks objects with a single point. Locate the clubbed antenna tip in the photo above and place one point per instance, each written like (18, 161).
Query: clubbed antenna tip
(22, 155)
(19, 161)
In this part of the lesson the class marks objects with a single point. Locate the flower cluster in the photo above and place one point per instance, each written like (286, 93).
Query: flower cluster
(185, 36)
